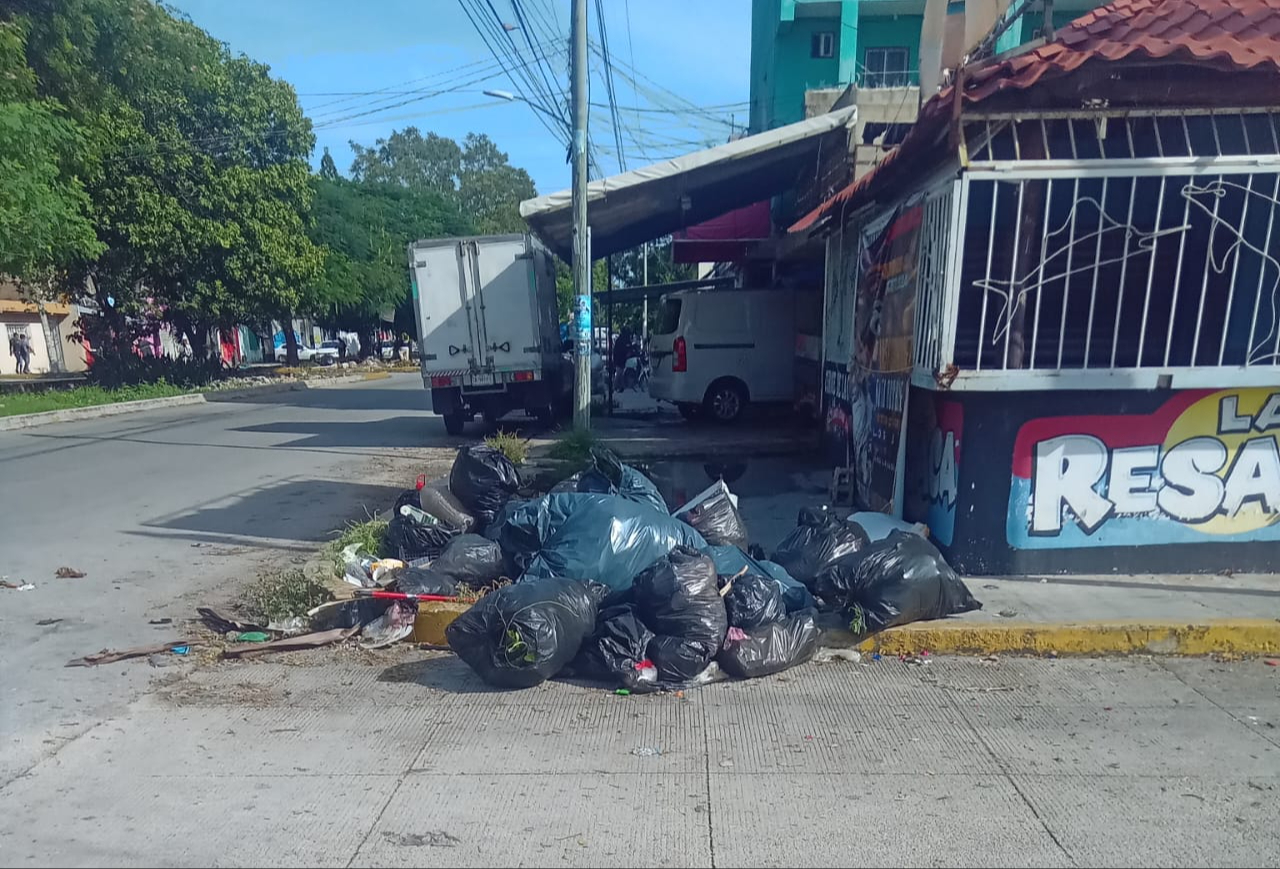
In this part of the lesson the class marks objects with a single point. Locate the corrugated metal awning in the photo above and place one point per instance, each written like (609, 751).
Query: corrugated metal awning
(643, 204)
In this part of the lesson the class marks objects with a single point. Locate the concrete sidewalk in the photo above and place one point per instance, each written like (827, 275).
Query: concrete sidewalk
(343, 758)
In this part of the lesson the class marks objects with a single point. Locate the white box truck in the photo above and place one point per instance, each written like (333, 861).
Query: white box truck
(488, 330)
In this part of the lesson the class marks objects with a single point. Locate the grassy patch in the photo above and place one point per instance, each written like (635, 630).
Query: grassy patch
(510, 445)
(370, 534)
(282, 595)
(12, 404)
(574, 447)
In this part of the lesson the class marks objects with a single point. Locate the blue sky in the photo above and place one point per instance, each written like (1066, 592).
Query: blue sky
(694, 53)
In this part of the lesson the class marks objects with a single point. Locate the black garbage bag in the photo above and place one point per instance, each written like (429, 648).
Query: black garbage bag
(408, 537)
(469, 560)
(679, 661)
(523, 634)
(483, 479)
(713, 513)
(896, 581)
(679, 599)
(754, 601)
(771, 648)
(609, 474)
(423, 580)
(604, 538)
(617, 652)
(730, 560)
(818, 540)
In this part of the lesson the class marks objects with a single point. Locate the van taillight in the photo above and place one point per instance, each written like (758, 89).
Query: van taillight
(681, 361)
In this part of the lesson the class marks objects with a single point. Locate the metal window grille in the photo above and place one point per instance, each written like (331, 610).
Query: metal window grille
(931, 279)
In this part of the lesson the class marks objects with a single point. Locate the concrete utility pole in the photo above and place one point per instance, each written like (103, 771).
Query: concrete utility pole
(581, 249)
(644, 316)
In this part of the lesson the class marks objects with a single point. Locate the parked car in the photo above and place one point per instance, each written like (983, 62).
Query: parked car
(326, 353)
(715, 351)
(387, 350)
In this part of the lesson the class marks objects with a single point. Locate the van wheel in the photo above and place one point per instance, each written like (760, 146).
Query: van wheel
(454, 423)
(726, 400)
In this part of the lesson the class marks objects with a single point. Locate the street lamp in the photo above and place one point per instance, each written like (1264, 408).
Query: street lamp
(517, 98)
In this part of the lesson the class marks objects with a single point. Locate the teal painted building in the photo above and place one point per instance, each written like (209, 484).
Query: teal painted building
(803, 45)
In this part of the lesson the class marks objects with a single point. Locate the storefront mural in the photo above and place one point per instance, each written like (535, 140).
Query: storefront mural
(1203, 467)
(933, 461)
(882, 356)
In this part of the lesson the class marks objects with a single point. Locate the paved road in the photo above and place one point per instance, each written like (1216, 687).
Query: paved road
(166, 510)
(404, 759)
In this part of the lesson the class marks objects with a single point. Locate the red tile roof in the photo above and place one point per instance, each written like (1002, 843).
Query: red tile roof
(1225, 35)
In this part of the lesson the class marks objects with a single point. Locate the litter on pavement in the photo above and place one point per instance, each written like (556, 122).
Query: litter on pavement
(598, 580)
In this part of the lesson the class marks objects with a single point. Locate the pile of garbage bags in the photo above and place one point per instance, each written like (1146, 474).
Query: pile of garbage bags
(612, 586)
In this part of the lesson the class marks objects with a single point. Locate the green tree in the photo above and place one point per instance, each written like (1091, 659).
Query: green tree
(410, 159)
(328, 170)
(199, 184)
(44, 209)
(490, 189)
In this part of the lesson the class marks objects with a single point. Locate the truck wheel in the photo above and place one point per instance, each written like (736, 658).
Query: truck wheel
(726, 400)
(454, 423)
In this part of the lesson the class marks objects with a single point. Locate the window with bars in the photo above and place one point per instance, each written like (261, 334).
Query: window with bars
(886, 67)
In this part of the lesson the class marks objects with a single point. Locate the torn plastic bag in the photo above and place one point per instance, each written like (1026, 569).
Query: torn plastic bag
(753, 601)
(730, 560)
(818, 540)
(678, 598)
(603, 538)
(716, 516)
(483, 479)
(469, 560)
(772, 648)
(392, 626)
(617, 652)
(436, 499)
(896, 581)
(523, 634)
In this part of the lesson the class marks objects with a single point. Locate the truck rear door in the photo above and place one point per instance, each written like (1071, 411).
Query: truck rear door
(507, 322)
(442, 284)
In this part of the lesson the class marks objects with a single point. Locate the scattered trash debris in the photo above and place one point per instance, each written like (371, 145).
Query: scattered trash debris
(646, 751)
(828, 655)
(468, 560)
(433, 839)
(252, 637)
(435, 499)
(306, 641)
(221, 625)
(1271, 662)
(990, 585)
(346, 613)
(714, 513)
(414, 533)
(290, 627)
(391, 627)
(69, 573)
(109, 656)
(160, 622)
(1007, 613)
(26, 586)
(46, 622)
(523, 634)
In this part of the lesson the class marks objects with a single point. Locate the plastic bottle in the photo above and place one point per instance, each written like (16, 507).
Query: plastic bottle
(422, 517)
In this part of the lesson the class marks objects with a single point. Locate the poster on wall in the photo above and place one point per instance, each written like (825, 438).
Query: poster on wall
(1203, 467)
(880, 368)
(935, 441)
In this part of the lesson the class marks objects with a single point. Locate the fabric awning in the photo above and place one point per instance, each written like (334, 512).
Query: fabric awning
(643, 204)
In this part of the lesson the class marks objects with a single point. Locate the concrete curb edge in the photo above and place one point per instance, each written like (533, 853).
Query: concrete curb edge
(101, 411)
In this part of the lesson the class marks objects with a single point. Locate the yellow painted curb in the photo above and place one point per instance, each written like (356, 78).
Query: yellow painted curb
(377, 375)
(1226, 636)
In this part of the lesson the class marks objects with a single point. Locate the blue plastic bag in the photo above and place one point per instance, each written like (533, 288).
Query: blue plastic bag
(602, 538)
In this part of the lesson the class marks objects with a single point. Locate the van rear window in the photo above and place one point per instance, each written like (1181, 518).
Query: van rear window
(669, 317)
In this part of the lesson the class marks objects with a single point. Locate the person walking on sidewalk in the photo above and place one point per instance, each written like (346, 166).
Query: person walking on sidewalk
(24, 353)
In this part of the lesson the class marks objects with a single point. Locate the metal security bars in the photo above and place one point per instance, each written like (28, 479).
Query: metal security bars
(931, 283)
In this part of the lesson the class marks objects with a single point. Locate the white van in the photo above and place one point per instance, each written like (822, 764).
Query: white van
(715, 351)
